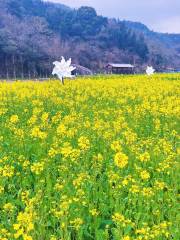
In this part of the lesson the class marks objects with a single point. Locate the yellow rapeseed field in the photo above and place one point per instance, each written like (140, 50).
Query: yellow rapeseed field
(95, 159)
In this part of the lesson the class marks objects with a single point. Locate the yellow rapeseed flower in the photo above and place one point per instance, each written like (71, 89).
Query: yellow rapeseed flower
(144, 157)
(37, 168)
(14, 119)
(126, 238)
(84, 143)
(94, 212)
(77, 223)
(144, 175)
(121, 160)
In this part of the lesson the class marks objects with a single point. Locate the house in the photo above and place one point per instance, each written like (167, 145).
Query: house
(169, 70)
(80, 70)
(115, 68)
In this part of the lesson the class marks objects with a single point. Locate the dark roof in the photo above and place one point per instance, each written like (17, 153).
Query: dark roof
(117, 65)
(82, 70)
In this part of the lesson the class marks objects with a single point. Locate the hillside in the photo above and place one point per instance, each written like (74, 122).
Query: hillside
(35, 33)
(165, 47)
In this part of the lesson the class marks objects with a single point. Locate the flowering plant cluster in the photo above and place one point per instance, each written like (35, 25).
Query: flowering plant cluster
(92, 160)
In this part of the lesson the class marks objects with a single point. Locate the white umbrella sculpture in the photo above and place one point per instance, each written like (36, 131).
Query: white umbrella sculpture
(150, 70)
(63, 69)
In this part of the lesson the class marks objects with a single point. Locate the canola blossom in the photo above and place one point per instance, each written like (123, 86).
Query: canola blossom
(94, 159)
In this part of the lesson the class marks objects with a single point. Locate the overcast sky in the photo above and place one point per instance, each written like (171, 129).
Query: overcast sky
(158, 15)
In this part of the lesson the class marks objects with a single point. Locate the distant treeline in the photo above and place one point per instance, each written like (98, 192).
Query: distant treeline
(34, 33)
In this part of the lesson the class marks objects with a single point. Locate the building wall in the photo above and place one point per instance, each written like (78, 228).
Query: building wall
(112, 70)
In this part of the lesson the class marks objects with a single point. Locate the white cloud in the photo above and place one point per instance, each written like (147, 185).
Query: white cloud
(169, 25)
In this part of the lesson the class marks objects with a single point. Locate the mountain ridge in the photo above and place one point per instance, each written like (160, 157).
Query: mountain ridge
(33, 33)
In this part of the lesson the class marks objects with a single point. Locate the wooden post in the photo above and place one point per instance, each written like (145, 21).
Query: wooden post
(7, 71)
(62, 80)
(22, 67)
(14, 66)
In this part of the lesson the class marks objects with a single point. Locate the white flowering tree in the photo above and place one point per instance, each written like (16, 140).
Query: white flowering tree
(63, 69)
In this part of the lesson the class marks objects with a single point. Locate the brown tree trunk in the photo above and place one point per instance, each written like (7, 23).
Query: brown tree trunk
(14, 67)
(7, 71)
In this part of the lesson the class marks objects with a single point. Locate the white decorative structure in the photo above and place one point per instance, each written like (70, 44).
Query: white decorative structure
(150, 70)
(63, 69)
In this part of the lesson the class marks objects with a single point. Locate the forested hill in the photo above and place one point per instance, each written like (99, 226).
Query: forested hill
(33, 33)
